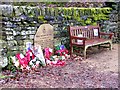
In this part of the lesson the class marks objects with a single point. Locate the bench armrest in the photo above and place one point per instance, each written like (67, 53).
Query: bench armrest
(110, 34)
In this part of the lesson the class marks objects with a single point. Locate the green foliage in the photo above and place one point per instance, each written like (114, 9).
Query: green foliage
(11, 65)
(4, 62)
(94, 14)
(88, 21)
(41, 17)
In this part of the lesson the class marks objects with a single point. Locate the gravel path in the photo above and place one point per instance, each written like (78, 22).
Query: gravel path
(99, 70)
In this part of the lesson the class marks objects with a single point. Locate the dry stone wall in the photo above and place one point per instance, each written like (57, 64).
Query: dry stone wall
(20, 23)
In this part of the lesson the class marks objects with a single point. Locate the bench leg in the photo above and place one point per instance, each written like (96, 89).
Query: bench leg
(110, 45)
(84, 52)
(98, 46)
(71, 50)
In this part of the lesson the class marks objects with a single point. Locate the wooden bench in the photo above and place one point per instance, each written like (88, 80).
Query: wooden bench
(87, 36)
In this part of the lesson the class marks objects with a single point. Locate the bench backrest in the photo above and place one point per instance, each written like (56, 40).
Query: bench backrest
(86, 31)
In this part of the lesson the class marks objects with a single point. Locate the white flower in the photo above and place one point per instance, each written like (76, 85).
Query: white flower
(55, 56)
(54, 62)
(68, 56)
(48, 61)
(56, 59)
(37, 62)
(50, 50)
(17, 63)
(28, 68)
(31, 63)
(63, 57)
(13, 59)
(21, 55)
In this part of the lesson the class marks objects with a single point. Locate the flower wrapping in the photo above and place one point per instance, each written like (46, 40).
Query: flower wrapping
(39, 54)
(23, 60)
(28, 46)
(29, 55)
(48, 53)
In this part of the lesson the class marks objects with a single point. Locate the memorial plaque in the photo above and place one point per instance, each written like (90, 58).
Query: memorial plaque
(44, 36)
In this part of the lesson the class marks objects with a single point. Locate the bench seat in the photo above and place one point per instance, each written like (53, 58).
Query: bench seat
(91, 42)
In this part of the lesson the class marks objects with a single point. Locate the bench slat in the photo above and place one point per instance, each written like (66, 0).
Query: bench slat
(87, 31)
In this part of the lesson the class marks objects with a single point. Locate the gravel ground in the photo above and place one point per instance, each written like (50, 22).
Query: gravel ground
(99, 70)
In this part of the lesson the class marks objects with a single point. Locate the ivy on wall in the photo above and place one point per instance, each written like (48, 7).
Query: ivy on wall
(79, 14)
(85, 16)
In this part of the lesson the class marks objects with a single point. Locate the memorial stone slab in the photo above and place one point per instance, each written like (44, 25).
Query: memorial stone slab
(44, 36)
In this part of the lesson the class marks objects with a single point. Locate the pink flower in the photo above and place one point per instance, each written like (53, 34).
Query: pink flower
(37, 63)
(48, 53)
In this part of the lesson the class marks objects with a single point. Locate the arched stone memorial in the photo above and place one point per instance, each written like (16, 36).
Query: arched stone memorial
(44, 36)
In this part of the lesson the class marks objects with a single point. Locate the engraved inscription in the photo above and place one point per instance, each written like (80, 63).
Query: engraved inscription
(44, 36)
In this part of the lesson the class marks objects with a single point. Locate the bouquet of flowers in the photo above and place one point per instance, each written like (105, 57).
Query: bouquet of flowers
(32, 59)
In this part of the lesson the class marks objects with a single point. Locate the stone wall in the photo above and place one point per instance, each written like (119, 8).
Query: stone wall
(20, 23)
